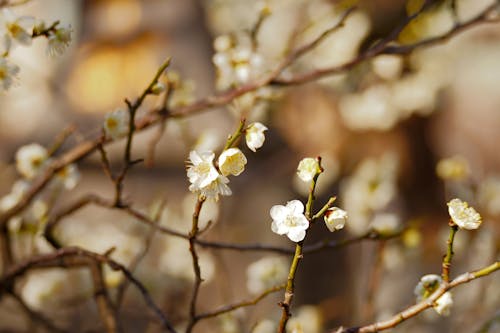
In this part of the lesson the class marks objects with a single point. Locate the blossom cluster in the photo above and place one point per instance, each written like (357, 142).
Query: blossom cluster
(20, 30)
(210, 179)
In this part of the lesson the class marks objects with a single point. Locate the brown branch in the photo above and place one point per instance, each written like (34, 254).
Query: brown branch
(234, 306)
(193, 318)
(416, 309)
(78, 257)
(101, 295)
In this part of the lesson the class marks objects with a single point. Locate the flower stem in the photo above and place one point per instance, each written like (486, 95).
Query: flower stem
(449, 253)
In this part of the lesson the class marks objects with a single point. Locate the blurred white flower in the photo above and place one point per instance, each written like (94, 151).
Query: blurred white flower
(453, 168)
(15, 29)
(232, 162)
(266, 273)
(254, 135)
(370, 109)
(201, 170)
(19, 188)
(443, 304)
(464, 216)
(30, 159)
(385, 224)
(335, 218)
(116, 123)
(265, 326)
(8, 72)
(290, 220)
(489, 194)
(388, 66)
(307, 320)
(59, 40)
(68, 176)
(427, 285)
(308, 168)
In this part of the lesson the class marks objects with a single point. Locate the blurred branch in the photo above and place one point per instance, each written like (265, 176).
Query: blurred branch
(101, 295)
(414, 310)
(78, 257)
(234, 306)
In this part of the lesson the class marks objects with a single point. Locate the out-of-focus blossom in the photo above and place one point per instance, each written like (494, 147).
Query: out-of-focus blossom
(232, 162)
(254, 135)
(489, 195)
(30, 159)
(116, 123)
(307, 320)
(386, 224)
(19, 188)
(335, 219)
(266, 273)
(158, 88)
(265, 326)
(370, 109)
(290, 220)
(308, 168)
(464, 216)
(59, 40)
(368, 190)
(427, 285)
(15, 29)
(68, 176)
(8, 72)
(387, 66)
(453, 168)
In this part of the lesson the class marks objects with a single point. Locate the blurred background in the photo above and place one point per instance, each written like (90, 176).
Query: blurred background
(399, 136)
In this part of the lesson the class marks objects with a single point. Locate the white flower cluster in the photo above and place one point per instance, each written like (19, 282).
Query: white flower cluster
(210, 179)
(236, 61)
(19, 30)
(369, 191)
(31, 160)
(427, 285)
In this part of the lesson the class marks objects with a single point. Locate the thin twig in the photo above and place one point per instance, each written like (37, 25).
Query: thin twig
(416, 309)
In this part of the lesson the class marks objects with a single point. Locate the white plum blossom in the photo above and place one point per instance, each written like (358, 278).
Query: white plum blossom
(216, 187)
(254, 135)
(158, 88)
(308, 168)
(116, 123)
(232, 162)
(427, 285)
(68, 176)
(8, 72)
(201, 171)
(30, 159)
(462, 215)
(308, 319)
(443, 304)
(58, 40)
(290, 220)
(15, 29)
(335, 219)
(266, 273)
(19, 188)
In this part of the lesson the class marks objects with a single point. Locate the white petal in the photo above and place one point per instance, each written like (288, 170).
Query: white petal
(295, 206)
(296, 235)
(278, 212)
